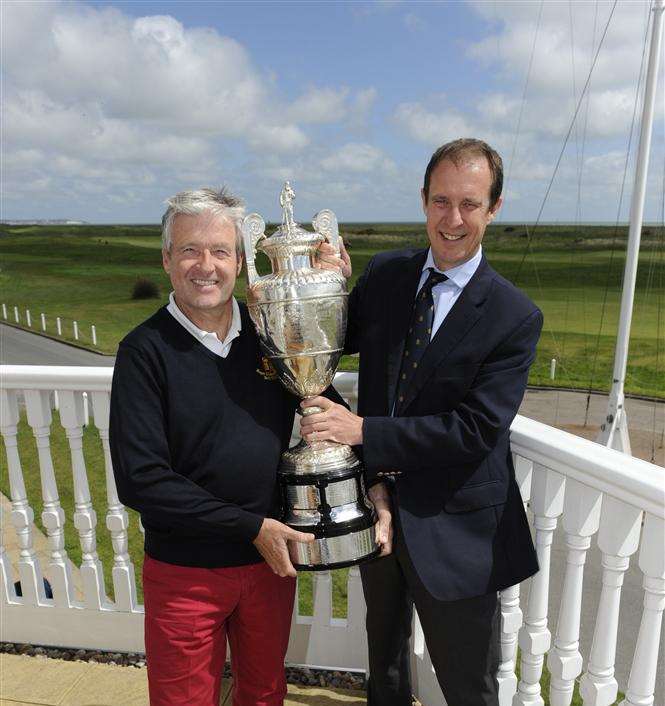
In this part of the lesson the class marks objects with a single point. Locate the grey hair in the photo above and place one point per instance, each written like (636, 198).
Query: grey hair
(219, 202)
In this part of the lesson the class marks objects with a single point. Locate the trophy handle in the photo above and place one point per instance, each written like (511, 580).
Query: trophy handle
(325, 222)
(253, 230)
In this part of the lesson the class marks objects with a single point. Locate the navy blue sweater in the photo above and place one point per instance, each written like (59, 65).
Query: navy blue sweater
(196, 441)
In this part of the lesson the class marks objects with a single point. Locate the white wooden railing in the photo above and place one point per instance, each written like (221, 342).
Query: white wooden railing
(573, 488)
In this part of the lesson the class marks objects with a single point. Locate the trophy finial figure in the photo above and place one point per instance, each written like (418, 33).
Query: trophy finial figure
(286, 199)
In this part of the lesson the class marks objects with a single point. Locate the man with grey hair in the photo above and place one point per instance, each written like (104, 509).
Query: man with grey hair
(197, 429)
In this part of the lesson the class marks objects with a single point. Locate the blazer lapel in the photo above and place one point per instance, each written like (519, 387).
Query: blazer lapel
(460, 320)
(400, 305)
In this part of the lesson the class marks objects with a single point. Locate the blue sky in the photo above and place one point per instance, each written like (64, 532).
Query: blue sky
(118, 105)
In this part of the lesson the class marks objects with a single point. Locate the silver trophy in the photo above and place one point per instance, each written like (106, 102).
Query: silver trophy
(300, 315)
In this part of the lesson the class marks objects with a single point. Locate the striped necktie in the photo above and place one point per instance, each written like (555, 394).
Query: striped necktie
(418, 335)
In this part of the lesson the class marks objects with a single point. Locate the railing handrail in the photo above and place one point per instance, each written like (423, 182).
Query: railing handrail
(636, 482)
(56, 377)
(629, 479)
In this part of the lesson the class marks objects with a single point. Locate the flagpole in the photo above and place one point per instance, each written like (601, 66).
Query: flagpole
(614, 430)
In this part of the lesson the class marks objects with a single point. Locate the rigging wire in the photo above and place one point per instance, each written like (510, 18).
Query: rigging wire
(528, 249)
(524, 91)
(580, 151)
(615, 235)
(565, 143)
(562, 352)
(659, 311)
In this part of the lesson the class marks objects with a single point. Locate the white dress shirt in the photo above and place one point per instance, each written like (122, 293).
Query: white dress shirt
(209, 338)
(446, 293)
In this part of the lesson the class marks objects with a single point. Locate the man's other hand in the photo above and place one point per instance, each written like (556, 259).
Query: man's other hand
(333, 423)
(327, 259)
(271, 543)
(383, 529)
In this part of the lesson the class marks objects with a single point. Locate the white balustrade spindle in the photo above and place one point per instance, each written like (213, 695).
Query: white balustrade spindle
(534, 637)
(641, 683)
(28, 318)
(53, 516)
(22, 517)
(76, 330)
(4, 312)
(16, 316)
(86, 409)
(117, 519)
(93, 333)
(43, 318)
(511, 613)
(618, 538)
(85, 517)
(58, 325)
(581, 518)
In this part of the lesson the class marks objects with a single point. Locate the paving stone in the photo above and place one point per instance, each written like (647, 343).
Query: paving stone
(309, 696)
(38, 681)
(106, 685)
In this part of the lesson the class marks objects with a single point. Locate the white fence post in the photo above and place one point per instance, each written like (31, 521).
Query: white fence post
(117, 519)
(22, 515)
(581, 518)
(642, 680)
(16, 317)
(76, 331)
(4, 312)
(552, 368)
(28, 318)
(547, 493)
(58, 325)
(53, 516)
(618, 538)
(43, 322)
(73, 413)
(93, 331)
(86, 409)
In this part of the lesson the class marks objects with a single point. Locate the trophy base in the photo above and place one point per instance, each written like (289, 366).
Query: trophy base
(334, 552)
(324, 494)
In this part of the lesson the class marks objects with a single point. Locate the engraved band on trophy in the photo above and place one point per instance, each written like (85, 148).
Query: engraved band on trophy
(300, 315)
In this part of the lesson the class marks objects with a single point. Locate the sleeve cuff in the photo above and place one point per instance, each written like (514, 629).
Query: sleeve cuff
(249, 525)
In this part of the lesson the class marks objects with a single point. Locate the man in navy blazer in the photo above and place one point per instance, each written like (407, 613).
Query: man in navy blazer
(445, 348)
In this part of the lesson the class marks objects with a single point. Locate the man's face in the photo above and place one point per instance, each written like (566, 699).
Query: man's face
(202, 263)
(457, 209)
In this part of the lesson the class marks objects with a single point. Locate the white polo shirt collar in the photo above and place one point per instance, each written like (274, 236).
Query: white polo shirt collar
(209, 338)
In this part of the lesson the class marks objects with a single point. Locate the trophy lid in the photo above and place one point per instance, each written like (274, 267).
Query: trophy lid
(290, 233)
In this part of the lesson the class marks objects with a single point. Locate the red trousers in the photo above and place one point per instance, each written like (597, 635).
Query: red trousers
(190, 612)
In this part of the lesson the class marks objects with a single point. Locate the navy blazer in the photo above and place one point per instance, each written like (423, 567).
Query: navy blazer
(458, 504)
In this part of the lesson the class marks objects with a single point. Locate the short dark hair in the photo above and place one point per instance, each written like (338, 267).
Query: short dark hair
(456, 150)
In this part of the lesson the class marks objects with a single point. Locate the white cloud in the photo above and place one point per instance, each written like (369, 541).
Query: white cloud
(284, 138)
(139, 100)
(431, 126)
(358, 157)
(565, 44)
(319, 105)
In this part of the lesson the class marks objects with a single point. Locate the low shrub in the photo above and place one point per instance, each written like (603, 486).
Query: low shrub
(145, 289)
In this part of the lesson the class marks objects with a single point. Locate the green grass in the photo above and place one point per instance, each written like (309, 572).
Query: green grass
(86, 273)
